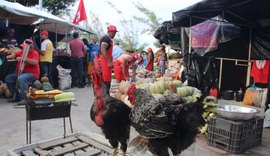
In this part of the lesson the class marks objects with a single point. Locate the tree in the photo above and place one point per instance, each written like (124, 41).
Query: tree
(130, 34)
(150, 20)
(56, 7)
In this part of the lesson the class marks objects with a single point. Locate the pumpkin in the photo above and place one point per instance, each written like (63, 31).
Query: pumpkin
(154, 88)
(158, 96)
(185, 91)
(177, 83)
(144, 86)
(2, 91)
(44, 79)
(117, 95)
(123, 97)
(127, 102)
(37, 85)
(123, 87)
(172, 87)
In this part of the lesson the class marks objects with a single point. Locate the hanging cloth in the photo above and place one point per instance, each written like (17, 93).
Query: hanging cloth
(260, 71)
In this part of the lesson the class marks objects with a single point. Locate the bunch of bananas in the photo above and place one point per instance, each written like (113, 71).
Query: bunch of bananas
(210, 110)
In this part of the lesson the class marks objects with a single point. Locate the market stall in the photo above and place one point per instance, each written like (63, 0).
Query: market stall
(217, 58)
(24, 20)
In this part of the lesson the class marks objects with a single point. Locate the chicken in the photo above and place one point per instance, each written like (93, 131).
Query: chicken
(167, 123)
(110, 114)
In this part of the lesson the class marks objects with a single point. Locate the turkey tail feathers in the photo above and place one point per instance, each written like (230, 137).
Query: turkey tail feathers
(138, 145)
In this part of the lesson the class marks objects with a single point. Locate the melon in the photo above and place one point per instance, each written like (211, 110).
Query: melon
(123, 87)
(123, 97)
(117, 95)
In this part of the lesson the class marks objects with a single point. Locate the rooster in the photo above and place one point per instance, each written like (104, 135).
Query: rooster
(169, 123)
(110, 114)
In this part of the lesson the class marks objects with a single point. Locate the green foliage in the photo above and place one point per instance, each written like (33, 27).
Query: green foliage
(151, 21)
(57, 7)
(130, 36)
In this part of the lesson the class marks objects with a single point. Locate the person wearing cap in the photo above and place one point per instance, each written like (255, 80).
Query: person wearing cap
(150, 60)
(46, 55)
(78, 49)
(106, 58)
(9, 41)
(29, 74)
(122, 64)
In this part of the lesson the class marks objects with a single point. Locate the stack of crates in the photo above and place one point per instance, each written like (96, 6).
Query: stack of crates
(235, 136)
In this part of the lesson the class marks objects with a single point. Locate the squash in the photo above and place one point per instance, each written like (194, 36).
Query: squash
(123, 97)
(44, 79)
(65, 95)
(177, 83)
(123, 87)
(144, 86)
(185, 91)
(127, 102)
(154, 88)
(37, 85)
(158, 96)
(117, 95)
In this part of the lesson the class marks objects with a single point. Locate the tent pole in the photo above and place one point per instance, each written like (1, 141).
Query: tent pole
(56, 33)
(220, 73)
(183, 49)
(190, 35)
(249, 56)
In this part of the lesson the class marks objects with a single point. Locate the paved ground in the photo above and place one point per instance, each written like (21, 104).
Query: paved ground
(12, 128)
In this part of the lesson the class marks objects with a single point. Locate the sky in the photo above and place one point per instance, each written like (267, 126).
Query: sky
(162, 8)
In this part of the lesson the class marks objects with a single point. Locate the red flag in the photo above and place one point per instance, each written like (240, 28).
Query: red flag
(80, 14)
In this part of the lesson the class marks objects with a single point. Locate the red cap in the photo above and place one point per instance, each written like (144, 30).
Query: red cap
(138, 58)
(112, 28)
(44, 32)
(28, 41)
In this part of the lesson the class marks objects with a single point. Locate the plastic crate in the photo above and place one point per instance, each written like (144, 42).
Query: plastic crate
(235, 136)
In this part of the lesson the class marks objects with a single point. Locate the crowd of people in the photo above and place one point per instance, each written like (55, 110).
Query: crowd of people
(38, 63)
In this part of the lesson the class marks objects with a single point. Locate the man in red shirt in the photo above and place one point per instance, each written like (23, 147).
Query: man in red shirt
(77, 57)
(29, 74)
(106, 58)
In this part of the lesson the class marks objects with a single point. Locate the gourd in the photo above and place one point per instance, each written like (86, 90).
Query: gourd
(65, 95)
(123, 87)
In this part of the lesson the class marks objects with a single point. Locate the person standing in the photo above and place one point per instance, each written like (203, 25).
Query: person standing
(162, 60)
(46, 55)
(117, 51)
(93, 49)
(77, 57)
(150, 60)
(29, 74)
(106, 58)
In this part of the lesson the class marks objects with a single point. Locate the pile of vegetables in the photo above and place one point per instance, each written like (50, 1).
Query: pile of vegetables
(121, 93)
(210, 110)
(164, 86)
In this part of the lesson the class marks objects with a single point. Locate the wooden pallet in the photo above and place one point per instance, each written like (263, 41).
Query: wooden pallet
(71, 146)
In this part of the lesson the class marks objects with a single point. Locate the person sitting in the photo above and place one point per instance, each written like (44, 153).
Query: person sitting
(28, 75)
(122, 64)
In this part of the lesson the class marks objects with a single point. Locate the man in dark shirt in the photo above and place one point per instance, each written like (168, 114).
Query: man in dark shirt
(106, 58)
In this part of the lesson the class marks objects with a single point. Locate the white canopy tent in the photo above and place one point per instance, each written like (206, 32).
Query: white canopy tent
(16, 13)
